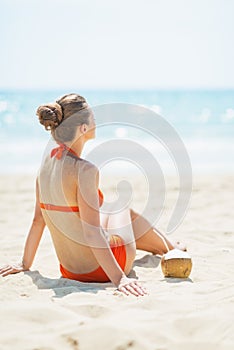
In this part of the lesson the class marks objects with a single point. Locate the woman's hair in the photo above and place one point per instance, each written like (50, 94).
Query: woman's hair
(63, 116)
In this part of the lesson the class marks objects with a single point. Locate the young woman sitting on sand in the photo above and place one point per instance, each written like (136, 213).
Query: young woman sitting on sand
(68, 200)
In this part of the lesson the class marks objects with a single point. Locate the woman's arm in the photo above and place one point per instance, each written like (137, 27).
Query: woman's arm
(34, 235)
(32, 242)
(88, 202)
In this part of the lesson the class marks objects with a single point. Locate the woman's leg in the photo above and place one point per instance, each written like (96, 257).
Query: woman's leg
(137, 233)
(148, 238)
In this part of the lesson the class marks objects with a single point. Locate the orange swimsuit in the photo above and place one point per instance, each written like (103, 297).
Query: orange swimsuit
(116, 242)
(98, 275)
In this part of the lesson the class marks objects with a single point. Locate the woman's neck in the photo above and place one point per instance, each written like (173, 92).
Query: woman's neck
(76, 146)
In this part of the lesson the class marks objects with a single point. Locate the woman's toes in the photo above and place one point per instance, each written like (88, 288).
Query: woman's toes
(180, 246)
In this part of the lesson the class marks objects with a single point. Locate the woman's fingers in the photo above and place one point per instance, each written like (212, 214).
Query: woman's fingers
(142, 290)
(4, 268)
(133, 288)
(139, 289)
(10, 269)
(4, 272)
(123, 290)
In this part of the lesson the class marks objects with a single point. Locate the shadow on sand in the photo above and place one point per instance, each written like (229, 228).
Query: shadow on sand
(148, 260)
(63, 286)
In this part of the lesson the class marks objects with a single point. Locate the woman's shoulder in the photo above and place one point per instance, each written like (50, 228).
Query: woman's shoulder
(87, 166)
(78, 164)
(88, 174)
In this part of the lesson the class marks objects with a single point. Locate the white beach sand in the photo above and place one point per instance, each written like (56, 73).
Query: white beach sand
(39, 310)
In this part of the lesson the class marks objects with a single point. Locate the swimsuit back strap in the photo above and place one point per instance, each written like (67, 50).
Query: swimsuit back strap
(59, 208)
(67, 209)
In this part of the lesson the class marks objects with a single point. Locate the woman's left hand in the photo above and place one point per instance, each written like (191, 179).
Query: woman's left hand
(10, 269)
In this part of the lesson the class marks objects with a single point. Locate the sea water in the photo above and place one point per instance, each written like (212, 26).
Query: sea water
(203, 119)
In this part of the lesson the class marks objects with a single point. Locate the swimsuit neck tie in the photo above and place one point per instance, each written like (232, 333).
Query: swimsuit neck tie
(58, 151)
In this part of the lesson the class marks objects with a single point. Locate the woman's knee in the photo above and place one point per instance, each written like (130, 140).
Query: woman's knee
(133, 214)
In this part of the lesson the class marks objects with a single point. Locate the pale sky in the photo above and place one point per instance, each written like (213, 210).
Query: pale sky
(116, 44)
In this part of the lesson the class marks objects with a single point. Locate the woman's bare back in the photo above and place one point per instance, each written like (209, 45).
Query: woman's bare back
(58, 181)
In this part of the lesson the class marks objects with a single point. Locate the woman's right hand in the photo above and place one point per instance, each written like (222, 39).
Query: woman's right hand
(131, 286)
(12, 268)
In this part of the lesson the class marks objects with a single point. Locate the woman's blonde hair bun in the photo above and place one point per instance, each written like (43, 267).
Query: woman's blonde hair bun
(50, 115)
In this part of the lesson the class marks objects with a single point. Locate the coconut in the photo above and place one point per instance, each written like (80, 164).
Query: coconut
(176, 263)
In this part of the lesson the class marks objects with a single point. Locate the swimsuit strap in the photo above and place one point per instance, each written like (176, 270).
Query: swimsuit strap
(69, 209)
(64, 209)
(58, 151)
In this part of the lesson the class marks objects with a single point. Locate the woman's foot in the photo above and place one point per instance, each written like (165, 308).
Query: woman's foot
(180, 246)
(167, 245)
